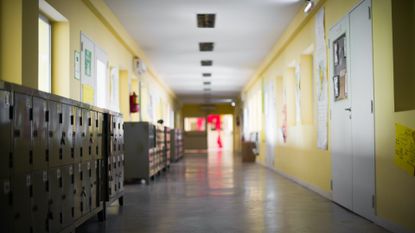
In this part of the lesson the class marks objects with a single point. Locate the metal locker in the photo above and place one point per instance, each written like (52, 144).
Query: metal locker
(68, 209)
(80, 132)
(86, 139)
(6, 213)
(22, 133)
(86, 187)
(40, 200)
(5, 133)
(79, 176)
(55, 199)
(65, 140)
(94, 184)
(22, 191)
(40, 134)
(99, 135)
(55, 127)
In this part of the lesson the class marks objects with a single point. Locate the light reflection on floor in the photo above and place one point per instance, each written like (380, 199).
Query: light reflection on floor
(215, 192)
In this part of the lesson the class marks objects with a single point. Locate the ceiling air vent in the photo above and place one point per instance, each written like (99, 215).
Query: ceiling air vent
(206, 83)
(206, 46)
(206, 20)
(206, 62)
(206, 89)
(206, 74)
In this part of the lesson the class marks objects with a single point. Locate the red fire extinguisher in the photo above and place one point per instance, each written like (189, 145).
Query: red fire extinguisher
(134, 103)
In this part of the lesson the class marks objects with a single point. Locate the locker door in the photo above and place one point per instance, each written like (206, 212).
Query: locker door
(92, 133)
(94, 185)
(78, 190)
(55, 204)
(121, 172)
(22, 194)
(99, 133)
(79, 131)
(72, 127)
(6, 213)
(86, 116)
(55, 133)
(40, 134)
(66, 135)
(86, 188)
(40, 201)
(22, 133)
(5, 133)
(68, 208)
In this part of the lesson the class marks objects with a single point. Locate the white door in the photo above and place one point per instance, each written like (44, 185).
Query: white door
(352, 122)
(361, 66)
(341, 124)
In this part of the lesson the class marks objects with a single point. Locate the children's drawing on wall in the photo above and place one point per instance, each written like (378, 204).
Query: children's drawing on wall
(321, 82)
(284, 126)
(405, 146)
(220, 132)
(298, 94)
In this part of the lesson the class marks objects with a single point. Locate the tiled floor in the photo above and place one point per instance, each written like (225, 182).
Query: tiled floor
(217, 193)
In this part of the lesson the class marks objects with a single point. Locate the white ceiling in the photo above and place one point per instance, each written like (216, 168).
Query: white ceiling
(167, 31)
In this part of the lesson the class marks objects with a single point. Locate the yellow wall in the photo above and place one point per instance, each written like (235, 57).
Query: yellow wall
(299, 157)
(19, 55)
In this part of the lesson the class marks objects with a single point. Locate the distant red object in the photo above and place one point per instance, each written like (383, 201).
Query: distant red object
(134, 104)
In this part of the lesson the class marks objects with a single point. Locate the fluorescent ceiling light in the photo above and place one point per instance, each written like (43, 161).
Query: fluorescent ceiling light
(308, 6)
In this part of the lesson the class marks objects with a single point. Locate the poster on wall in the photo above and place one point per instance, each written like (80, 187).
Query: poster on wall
(321, 84)
(405, 146)
(284, 126)
(270, 102)
(298, 94)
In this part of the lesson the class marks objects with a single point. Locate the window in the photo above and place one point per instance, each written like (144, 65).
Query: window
(45, 32)
(194, 124)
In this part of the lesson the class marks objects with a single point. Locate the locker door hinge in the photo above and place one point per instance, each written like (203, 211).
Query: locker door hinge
(371, 106)
(373, 202)
(331, 184)
(369, 12)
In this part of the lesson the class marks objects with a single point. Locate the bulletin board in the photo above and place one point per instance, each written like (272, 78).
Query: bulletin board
(340, 69)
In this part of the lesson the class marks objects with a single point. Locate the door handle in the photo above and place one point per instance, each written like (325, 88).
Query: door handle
(348, 109)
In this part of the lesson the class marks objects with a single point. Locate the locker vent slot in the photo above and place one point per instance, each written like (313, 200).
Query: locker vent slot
(89, 150)
(96, 123)
(10, 159)
(80, 121)
(31, 114)
(60, 182)
(89, 121)
(47, 116)
(60, 217)
(60, 153)
(47, 186)
(30, 157)
(72, 119)
(80, 152)
(31, 191)
(60, 118)
(11, 112)
(47, 155)
(72, 152)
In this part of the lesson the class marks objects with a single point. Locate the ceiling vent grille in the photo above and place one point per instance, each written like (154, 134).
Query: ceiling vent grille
(206, 46)
(206, 83)
(206, 62)
(206, 89)
(207, 75)
(206, 20)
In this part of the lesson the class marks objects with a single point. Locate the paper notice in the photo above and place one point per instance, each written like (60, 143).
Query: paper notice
(87, 94)
(405, 144)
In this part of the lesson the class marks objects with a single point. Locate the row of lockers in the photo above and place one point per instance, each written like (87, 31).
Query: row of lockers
(176, 144)
(60, 162)
(50, 200)
(37, 133)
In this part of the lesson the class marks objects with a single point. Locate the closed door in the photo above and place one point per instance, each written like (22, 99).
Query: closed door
(352, 111)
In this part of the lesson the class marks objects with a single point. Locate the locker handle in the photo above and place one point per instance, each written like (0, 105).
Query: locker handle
(35, 133)
(91, 140)
(63, 141)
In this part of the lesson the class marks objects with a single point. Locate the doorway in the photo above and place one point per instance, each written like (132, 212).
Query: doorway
(220, 132)
(352, 120)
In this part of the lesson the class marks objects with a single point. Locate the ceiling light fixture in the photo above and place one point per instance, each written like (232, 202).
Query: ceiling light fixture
(206, 89)
(206, 62)
(206, 46)
(308, 6)
(206, 20)
(206, 74)
(233, 104)
(206, 83)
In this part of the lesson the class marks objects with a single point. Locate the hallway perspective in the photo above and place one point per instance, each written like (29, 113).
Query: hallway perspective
(218, 193)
